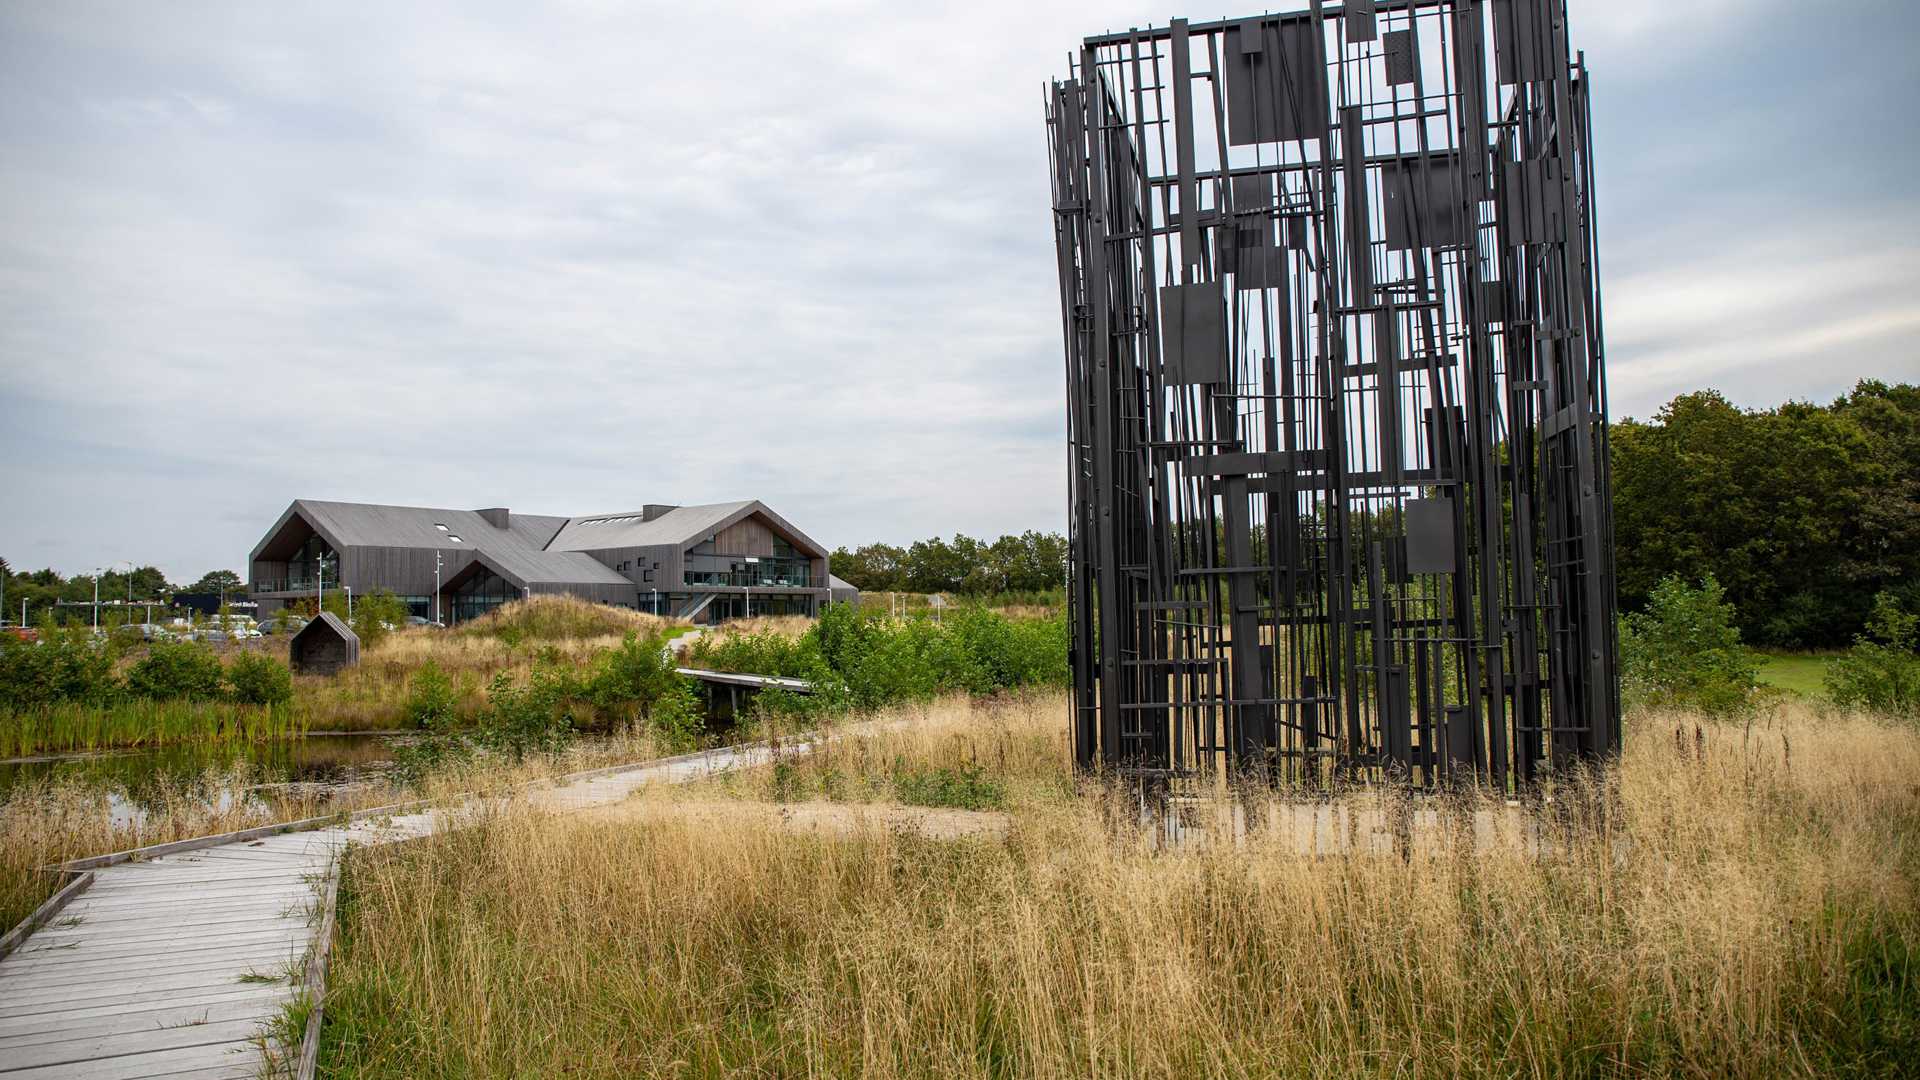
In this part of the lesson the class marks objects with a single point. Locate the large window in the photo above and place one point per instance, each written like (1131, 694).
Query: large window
(481, 593)
(739, 570)
(314, 561)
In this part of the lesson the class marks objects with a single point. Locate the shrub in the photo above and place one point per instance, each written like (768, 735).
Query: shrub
(861, 657)
(1684, 650)
(431, 699)
(177, 670)
(1882, 670)
(965, 788)
(376, 615)
(629, 680)
(679, 717)
(64, 666)
(535, 718)
(257, 679)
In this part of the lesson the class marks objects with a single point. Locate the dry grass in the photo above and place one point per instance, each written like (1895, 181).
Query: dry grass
(786, 626)
(509, 640)
(44, 821)
(1748, 911)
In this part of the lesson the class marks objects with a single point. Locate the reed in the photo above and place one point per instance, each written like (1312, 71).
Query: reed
(1747, 909)
(69, 727)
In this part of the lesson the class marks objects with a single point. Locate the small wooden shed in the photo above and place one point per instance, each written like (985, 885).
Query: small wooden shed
(324, 646)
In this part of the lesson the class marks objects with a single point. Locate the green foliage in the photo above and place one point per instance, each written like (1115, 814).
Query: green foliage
(1882, 670)
(258, 679)
(63, 666)
(1031, 562)
(537, 717)
(1803, 512)
(376, 615)
(217, 581)
(679, 717)
(1684, 650)
(864, 659)
(431, 700)
(177, 670)
(629, 679)
(967, 787)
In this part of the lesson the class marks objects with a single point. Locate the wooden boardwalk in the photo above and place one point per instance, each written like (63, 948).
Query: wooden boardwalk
(175, 966)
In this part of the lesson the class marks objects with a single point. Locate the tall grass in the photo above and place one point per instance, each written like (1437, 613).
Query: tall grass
(67, 727)
(1749, 911)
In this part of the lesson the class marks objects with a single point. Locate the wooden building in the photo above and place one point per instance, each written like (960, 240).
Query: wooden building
(323, 646)
(704, 563)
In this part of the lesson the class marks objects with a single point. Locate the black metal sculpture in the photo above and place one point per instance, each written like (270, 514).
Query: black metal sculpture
(1336, 397)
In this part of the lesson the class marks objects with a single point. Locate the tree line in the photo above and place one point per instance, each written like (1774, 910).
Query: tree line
(1031, 562)
(40, 590)
(1804, 514)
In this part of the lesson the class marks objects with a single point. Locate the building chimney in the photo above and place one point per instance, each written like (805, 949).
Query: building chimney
(497, 516)
(652, 511)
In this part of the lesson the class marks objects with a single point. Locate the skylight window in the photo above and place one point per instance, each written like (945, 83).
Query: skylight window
(441, 527)
(454, 538)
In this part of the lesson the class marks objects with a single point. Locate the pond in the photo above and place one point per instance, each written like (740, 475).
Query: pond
(136, 778)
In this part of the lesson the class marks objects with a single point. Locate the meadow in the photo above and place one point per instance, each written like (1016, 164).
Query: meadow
(1746, 909)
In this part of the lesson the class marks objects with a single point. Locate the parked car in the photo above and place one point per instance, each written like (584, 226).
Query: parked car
(422, 620)
(24, 633)
(212, 637)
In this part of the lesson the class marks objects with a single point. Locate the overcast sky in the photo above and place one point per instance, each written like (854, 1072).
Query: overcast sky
(572, 258)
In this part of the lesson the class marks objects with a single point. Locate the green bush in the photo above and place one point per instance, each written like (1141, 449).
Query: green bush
(679, 717)
(628, 680)
(864, 658)
(535, 718)
(175, 670)
(1684, 650)
(257, 679)
(431, 699)
(1882, 670)
(63, 666)
(965, 788)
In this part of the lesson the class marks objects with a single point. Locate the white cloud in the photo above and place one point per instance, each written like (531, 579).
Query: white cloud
(582, 257)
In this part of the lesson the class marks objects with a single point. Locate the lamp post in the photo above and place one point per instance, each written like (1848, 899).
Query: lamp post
(436, 588)
(349, 589)
(752, 563)
(97, 571)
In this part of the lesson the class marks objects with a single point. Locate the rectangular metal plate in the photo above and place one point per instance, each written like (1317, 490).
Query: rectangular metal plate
(1277, 88)
(1430, 536)
(1399, 50)
(1252, 194)
(1193, 333)
(1520, 34)
(1426, 204)
(1361, 25)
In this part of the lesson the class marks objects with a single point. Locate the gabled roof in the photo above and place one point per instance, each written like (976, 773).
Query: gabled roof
(328, 621)
(368, 525)
(680, 527)
(524, 568)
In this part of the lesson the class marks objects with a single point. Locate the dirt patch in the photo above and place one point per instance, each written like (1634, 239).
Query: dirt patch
(830, 818)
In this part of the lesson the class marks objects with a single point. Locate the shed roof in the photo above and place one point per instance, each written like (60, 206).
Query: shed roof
(327, 621)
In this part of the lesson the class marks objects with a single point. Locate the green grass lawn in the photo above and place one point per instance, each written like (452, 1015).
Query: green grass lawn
(1802, 673)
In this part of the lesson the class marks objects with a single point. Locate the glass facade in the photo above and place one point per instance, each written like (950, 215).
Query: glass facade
(306, 565)
(740, 605)
(479, 594)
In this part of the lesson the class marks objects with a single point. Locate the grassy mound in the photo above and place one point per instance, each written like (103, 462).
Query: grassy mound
(560, 618)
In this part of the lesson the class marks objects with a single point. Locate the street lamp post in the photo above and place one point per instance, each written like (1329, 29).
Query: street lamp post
(96, 597)
(436, 588)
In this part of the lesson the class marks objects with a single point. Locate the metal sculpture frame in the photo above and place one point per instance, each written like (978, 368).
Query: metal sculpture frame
(1340, 504)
